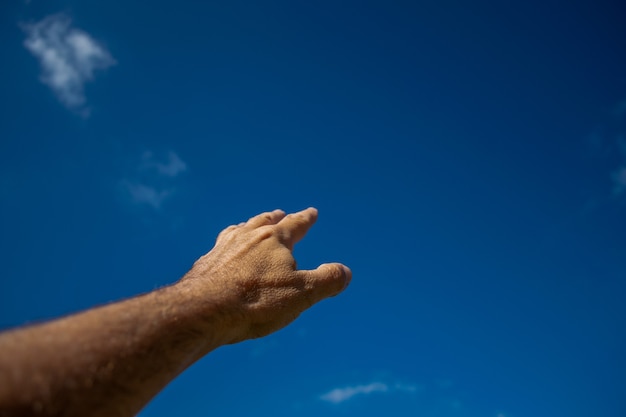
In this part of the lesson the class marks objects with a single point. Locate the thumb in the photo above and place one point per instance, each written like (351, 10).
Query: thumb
(327, 280)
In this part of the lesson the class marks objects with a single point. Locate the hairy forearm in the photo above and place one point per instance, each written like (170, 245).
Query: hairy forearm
(109, 361)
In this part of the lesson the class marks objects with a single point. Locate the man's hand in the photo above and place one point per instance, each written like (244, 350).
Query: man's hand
(111, 360)
(253, 272)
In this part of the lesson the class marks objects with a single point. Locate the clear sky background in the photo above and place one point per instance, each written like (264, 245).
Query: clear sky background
(468, 160)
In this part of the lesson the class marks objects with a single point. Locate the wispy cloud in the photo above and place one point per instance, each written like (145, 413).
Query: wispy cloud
(340, 395)
(154, 180)
(69, 57)
(145, 194)
(172, 167)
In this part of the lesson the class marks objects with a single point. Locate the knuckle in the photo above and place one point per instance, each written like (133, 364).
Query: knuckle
(284, 235)
(295, 217)
(226, 231)
(265, 232)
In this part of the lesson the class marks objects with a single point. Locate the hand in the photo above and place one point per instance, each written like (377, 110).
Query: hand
(252, 272)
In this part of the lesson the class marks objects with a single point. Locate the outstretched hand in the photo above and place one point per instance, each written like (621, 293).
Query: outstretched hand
(111, 360)
(253, 273)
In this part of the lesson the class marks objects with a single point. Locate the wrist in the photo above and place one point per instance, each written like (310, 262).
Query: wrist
(209, 312)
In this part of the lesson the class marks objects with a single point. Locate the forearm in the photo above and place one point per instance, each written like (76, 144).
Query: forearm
(108, 361)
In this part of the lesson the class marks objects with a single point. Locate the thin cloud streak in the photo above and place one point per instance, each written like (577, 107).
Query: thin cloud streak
(69, 57)
(340, 395)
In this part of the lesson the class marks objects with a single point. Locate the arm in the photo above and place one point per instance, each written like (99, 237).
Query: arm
(111, 360)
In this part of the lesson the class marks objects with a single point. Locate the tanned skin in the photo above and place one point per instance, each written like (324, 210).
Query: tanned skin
(111, 360)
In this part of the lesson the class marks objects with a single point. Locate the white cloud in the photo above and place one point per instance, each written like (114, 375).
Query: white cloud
(339, 395)
(145, 194)
(172, 168)
(68, 56)
(154, 181)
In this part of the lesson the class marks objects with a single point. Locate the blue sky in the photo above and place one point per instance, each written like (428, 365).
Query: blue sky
(468, 160)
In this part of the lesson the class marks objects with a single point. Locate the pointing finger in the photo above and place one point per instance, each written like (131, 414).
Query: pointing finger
(294, 226)
(263, 219)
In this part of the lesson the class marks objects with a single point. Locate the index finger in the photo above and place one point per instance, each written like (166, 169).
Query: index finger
(294, 226)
